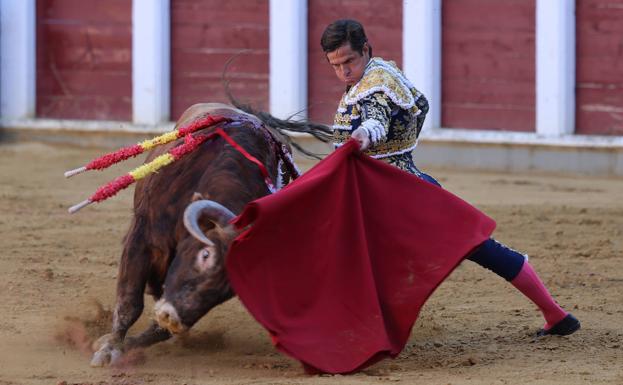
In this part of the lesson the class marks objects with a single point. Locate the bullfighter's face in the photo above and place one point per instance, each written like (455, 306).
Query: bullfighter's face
(195, 283)
(348, 64)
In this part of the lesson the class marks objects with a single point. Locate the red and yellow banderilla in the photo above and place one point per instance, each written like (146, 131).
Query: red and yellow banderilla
(137, 149)
(190, 144)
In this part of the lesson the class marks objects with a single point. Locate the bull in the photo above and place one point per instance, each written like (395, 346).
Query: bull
(179, 259)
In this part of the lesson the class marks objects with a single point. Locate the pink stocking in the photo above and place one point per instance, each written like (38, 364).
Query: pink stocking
(528, 282)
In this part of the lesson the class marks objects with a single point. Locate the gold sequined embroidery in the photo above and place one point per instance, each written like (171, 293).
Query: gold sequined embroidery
(383, 94)
(383, 76)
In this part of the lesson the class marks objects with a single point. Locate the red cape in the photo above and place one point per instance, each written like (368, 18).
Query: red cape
(338, 264)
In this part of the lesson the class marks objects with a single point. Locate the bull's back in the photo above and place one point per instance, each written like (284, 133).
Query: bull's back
(199, 110)
(172, 173)
(162, 197)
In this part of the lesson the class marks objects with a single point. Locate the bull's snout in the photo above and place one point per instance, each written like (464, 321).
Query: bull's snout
(167, 317)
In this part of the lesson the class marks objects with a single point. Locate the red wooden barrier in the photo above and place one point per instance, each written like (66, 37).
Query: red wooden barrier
(84, 59)
(204, 35)
(488, 70)
(599, 69)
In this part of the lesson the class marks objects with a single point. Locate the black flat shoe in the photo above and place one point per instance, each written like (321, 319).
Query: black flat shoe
(564, 327)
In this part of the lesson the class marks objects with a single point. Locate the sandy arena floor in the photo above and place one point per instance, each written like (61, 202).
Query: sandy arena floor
(58, 275)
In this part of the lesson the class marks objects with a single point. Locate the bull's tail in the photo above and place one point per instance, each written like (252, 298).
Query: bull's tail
(284, 127)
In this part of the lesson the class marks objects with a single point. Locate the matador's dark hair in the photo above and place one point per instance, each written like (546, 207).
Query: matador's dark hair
(344, 31)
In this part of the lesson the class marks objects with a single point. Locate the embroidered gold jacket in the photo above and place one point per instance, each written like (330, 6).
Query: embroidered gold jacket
(387, 106)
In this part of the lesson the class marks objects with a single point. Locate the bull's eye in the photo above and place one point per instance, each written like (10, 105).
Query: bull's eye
(204, 254)
(206, 258)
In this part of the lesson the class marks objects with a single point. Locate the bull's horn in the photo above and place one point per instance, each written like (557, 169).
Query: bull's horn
(217, 213)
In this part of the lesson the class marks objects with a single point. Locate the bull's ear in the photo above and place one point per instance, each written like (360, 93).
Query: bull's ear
(197, 196)
(228, 231)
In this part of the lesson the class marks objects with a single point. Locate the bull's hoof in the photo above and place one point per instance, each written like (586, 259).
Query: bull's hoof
(100, 342)
(107, 355)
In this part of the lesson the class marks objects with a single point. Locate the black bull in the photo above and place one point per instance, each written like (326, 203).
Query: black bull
(183, 269)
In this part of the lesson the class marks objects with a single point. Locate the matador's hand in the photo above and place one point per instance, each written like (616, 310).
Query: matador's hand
(361, 136)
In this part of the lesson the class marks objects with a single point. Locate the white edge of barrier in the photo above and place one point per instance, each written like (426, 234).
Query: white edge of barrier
(428, 135)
